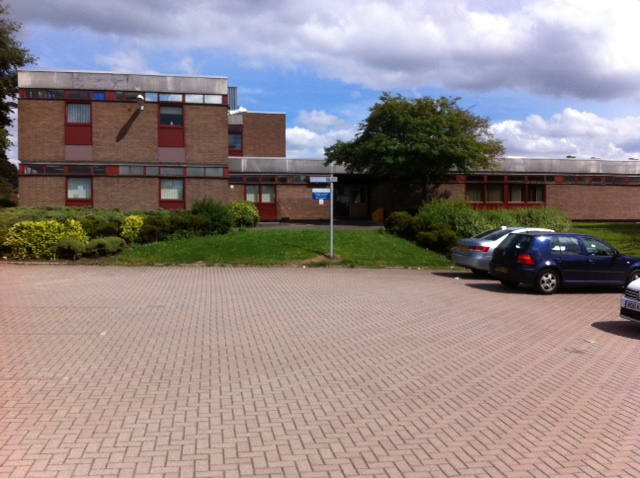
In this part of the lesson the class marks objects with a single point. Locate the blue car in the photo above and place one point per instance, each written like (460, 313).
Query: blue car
(548, 261)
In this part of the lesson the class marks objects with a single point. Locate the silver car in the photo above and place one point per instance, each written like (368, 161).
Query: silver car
(475, 252)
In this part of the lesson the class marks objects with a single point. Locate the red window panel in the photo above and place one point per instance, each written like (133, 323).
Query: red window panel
(171, 137)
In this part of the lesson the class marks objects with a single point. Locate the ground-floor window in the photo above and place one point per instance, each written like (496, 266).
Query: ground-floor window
(263, 193)
(172, 194)
(172, 189)
(79, 192)
(505, 194)
(79, 188)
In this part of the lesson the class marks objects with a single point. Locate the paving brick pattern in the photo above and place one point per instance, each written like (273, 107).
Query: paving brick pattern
(216, 371)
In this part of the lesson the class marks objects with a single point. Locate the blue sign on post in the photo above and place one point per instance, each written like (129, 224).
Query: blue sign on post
(321, 193)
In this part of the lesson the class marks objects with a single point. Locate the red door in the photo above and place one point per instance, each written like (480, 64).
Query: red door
(264, 197)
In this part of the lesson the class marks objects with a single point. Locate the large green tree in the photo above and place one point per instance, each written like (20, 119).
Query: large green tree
(418, 140)
(12, 57)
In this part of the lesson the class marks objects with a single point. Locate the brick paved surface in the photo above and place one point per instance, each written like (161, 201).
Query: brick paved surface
(215, 371)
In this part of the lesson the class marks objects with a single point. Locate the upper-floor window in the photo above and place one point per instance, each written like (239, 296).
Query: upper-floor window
(171, 116)
(79, 113)
(235, 139)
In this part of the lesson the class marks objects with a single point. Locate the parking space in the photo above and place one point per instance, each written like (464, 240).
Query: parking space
(218, 371)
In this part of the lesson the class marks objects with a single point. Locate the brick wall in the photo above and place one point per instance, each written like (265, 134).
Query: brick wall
(124, 134)
(295, 202)
(126, 193)
(586, 202)
(264, 135)
(206, 134)
(197, 188)
(42, 191)
(41, 130)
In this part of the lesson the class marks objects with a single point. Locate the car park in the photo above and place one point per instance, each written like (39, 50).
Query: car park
(549, 261)
(475, 252)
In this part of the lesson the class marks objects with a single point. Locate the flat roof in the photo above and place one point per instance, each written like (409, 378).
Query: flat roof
(109, 81)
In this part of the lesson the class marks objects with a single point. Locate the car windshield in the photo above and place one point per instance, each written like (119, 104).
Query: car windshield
(492, 234)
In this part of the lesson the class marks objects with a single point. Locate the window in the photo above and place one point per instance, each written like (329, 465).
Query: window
(132, 170)
(34, 170)
(598, 248)
(215, 172)
(475, 193)
(566, 246)
(172, 189)
(516, 193)
(171, 97)
(171, 116)
(197, 99)
(213, 99)
(235, 139)
(495, 193)
(79, 113)
(268, 194)
(78, 94)
(253, 194)
(171, 171)
(195, 172)
(536, 193)
(79, 170)
(79, 188)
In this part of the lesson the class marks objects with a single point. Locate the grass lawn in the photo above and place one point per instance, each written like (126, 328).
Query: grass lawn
(374, 249)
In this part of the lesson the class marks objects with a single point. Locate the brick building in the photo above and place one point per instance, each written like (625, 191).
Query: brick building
(123, 141)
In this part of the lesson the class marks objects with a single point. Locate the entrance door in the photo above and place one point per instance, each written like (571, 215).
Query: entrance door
(264, 197)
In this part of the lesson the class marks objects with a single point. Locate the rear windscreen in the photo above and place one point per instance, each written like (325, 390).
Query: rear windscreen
(520, 242)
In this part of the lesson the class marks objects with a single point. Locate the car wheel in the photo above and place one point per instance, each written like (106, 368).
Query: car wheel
(547, 282)
(508, 283)
(479, 272)
(633, 276)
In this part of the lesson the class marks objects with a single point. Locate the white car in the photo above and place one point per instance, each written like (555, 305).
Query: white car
(630, 302)
(475, 252)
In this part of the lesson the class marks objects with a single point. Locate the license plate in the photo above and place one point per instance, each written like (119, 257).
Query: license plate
(632, 305)
(502, 270)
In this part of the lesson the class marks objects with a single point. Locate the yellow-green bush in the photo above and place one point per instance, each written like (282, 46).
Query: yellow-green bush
(131, 228)
(245, 213)
(39, 240)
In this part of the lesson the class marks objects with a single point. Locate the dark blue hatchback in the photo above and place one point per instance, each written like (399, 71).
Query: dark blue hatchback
(548, 261)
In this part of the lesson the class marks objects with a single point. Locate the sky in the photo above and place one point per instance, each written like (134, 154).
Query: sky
(556, 78)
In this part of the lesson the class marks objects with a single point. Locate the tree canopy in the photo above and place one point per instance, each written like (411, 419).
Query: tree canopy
(418, 139)
(12, 57)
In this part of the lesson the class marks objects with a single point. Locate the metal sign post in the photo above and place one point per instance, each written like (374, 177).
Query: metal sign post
(331, 217)
(320, 194)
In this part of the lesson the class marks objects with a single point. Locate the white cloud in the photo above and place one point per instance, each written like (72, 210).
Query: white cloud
(583, 48)
(571, 132)
(315, 131)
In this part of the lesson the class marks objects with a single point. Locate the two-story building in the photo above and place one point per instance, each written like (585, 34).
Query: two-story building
(112, 140)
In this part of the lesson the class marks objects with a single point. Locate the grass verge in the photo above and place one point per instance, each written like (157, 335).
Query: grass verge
(373, 249)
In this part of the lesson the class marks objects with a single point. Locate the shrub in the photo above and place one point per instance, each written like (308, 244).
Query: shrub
(245, 213)
(70, 248)
(191, 225)
(460, 217)
(402, 224)
(130, 230)
(438, 238)
(105, 246)
(39, 240)
(220, 215)
(156, 227)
